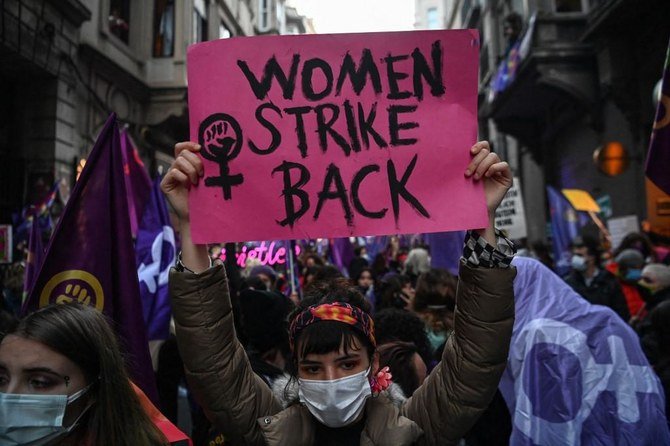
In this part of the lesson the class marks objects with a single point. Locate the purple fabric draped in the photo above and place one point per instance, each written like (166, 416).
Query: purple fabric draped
(138, 183)
(90, 257)
(155, 253)
(576, 373)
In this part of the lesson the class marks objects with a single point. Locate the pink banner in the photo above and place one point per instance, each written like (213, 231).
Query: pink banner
(334, 135)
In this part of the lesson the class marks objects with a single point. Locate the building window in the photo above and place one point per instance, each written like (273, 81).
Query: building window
(119, 19)
(266, 10)
(224, 32)
(432, 19)
(199, 21)
(465, 9)
(281, 17)
(163, 28)
(562, 6)
(518, 7)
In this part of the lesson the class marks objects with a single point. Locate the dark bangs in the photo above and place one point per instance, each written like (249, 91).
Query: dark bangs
(328, 336)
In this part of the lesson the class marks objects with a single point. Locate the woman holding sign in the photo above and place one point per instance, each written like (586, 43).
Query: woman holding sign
(337, 395)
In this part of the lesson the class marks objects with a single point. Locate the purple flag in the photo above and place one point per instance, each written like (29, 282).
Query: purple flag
(446, 249)
(155, 253)
(35, 256)
(576, 373)
(138, 183)
(565, 225)
(658, 159)
(90, 255)
(376, 245)
(341, 253)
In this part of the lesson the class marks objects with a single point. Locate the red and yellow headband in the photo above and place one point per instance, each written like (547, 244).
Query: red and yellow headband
(336, 311)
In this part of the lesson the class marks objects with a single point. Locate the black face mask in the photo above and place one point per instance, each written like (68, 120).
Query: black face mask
(645, 293)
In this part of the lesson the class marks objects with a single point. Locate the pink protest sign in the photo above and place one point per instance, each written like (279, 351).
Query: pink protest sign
(334, 135)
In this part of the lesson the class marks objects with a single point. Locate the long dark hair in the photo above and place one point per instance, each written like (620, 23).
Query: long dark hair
(83, 335)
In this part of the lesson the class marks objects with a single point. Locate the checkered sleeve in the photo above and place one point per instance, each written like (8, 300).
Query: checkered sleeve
(477, 251)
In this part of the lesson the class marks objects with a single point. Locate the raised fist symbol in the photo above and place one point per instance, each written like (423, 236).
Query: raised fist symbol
(220, 136)
(73, 293)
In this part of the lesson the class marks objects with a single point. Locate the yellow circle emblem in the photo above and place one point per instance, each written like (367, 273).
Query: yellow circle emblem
(73, 285)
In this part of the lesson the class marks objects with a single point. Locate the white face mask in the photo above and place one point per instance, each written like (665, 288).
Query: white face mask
(579, 263)
(336, 402)
(35, 419)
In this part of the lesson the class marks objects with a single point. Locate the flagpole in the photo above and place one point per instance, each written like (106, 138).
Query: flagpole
(291, 270)
(601, 226)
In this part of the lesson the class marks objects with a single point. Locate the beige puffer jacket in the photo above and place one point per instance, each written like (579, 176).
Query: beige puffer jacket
(242, 406)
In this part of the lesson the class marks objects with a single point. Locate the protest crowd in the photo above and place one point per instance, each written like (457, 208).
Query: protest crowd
(414, 336)
(126, 319)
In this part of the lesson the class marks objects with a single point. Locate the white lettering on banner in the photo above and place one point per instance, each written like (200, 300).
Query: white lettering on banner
(622, 378)
(510, 215)
(152, 274)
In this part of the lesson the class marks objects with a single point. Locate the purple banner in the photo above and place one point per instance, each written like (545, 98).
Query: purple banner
(90, 258)
(576, 373)
(138, 183)
(155, 253)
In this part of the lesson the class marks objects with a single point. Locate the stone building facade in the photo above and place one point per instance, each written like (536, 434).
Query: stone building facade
(578, 76)
(66, 64)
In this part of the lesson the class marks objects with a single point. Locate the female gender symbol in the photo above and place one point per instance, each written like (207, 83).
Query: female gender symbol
(220, 137)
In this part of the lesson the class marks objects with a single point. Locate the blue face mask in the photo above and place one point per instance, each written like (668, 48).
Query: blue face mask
(436, 339)
(633, 275)
(35, 419)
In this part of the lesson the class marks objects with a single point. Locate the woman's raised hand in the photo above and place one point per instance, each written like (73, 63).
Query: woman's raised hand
(496, 174)
(497, 177)
(184, 172)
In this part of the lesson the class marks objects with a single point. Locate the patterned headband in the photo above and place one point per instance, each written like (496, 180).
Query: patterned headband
(336, 311)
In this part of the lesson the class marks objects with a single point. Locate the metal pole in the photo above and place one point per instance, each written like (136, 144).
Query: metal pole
(291, 263)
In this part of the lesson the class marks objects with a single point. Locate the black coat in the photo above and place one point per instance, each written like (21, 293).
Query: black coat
(603, 290)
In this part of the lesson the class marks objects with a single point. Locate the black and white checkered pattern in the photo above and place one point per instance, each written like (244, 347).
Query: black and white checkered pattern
(477, 251)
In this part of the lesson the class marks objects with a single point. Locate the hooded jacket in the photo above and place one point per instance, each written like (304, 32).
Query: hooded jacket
(440, 412)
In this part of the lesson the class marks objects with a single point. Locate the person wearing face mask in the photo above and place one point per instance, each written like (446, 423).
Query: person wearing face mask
(627, 267)
(655, 283)
(593, 283)
(656, 279)
(63, 382)
(340, 397)
(434, 303)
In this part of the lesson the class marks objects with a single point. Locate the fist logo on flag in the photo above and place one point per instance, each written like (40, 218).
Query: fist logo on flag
(220, 136)
(73, 285)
